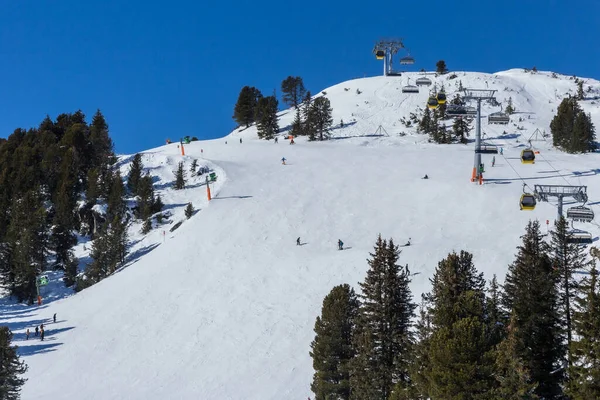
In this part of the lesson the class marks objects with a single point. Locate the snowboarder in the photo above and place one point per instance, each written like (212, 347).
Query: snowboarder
(425, 177)
(493, 161)
(27, 334)
(292, 141)
(276, 139)
(54, 317)
(36, 330)
(240, 140)
(340, 244)
(408, 243)
(283, 160)
(42, 334)
(298, 242)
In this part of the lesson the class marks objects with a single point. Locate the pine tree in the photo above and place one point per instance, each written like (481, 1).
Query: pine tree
(572, 129)
(293, 90)
(440, 67)
(157, 205)
(384, 335)
(461, 129)
(193, 166)
(11, 367)
(135, 174)
(531, 297)
(297, 125)
(460, 358)
(580, 94)
(146, 203)
(420, 367)
(180, 177)
(568, 259)
(116, 206)
(266, 117)
(425, 122)
(514, 380)
(147, 226)
(189, 210)
(510, 109)
(320, 116)
(93, 190)
(332, 350)
(245, 107)
(584, 372)
(100, 141)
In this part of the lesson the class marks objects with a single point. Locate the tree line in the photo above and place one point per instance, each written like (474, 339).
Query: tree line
(312, 116)
(537, 336)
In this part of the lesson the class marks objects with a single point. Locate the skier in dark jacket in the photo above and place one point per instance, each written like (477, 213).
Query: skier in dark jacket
(340, 244)
(54, 317)
(37, 330)
(298, 242)
(42, 334)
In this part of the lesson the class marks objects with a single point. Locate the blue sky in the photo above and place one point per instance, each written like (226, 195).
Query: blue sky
(170, 69)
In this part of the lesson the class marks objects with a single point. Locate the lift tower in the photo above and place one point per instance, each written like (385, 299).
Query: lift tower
(386, 49)
(579, 193)
(478, 95)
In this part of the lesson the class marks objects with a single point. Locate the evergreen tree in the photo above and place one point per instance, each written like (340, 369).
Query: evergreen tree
(384, 335)
(514, 380)
(460, 358)
(135, 174)
(11, 367)
(245, 107)
(584, 372)
(425, 122)
(580, 94)
(146, 203)
(494, 314)
(530, 295)
(420, 367)
(461, 129)
(116, 206)
(332, 350)
(440, 67)
(93, 190)
(297, 125)
(572, 130)
(293, 90)
(158, 205)
(266, 117)
(147, 226)
(100, 141)
(510, 109)
(568, 259)
(180, 177)
(189, 210)
(193, 167)
(320, 116)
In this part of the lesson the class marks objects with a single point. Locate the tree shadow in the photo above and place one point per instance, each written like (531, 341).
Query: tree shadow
(132, 258)
(25, 351)
(232, 197)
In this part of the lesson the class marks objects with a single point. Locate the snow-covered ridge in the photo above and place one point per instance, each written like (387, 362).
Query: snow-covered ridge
(224, 306)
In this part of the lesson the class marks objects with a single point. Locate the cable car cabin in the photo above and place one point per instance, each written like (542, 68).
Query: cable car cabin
(488, 149)
(498, 118)
(423, 82)
(579, 237)
(407, 60)
(527, 156)
(454, 110)
(410, 89)
(379, 54)
(527, 202)
(580, 213)
(441, 98)
(432, 103)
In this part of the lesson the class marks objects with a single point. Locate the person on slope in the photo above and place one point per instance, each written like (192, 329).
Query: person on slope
(408, 242)
(42, 334)
(425, 177)
(340, 244)
(240, 140)
(292, 141)
(283, 160)
(493, 161)
(27, 334)
(298, 242)
(276, 139)
(37, 330)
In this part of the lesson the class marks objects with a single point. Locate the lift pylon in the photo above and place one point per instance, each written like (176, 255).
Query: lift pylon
(478, 95)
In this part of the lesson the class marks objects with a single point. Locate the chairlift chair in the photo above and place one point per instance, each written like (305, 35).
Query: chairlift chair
(527, 202)
(577, 236)
(486, 148)
(454, 110)
(498, 118)
(423, 82)
(410, 89)
(527, 156)
(407, 60)
(580, 213)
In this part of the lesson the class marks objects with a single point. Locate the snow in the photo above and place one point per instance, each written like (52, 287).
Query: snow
(224, 306)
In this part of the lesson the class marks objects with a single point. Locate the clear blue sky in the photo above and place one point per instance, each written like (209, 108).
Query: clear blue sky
(175, 68)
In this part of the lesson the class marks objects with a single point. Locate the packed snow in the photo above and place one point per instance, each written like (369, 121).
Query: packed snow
(224, 306)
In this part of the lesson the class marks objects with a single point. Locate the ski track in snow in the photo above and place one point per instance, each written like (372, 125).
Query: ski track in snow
(224, 306)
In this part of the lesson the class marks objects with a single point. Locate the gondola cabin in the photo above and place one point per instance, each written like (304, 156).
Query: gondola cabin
(379, 54)
(527, 156)
(432, 103)
(527, 202)
(441, 98)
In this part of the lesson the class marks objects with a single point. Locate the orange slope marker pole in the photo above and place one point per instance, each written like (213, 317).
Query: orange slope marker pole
(208, 189)
(182, 150)
(474, 175)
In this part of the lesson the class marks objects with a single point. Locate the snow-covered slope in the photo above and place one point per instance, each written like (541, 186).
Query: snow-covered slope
(224, 306)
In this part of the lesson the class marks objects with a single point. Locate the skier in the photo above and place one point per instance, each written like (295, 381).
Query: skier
(340, 244)
(425, 177)
(54, 317)
(42, 334)
(240, 140)
(276, 139)
(27, 334)
(283, 160)
(36, 330)
(408, 243)
(501, 150)
(292, 141)
(493, 161)
(298, 242)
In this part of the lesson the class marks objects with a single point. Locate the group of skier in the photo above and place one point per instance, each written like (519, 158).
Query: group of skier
(39, 331)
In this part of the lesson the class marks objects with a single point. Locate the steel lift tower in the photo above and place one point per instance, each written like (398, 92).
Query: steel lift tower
(478, 95)
(386, 49)
(579, 193)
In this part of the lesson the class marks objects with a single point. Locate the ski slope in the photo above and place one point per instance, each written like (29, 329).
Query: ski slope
(224, 306)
